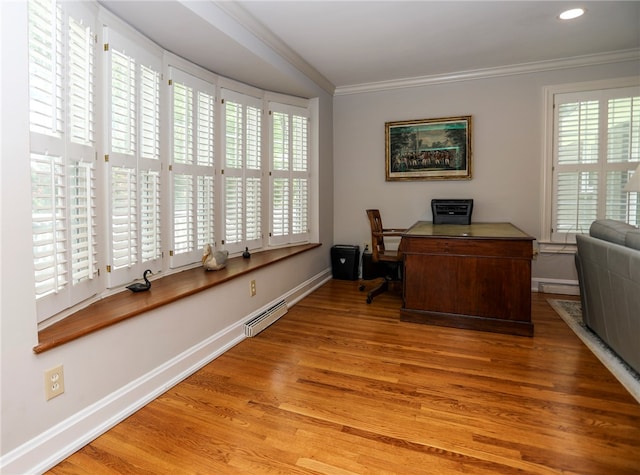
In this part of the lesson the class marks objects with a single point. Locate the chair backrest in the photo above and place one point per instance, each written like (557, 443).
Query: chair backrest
(377, 236)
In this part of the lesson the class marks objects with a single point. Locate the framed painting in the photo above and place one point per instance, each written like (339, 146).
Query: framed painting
(428, 149)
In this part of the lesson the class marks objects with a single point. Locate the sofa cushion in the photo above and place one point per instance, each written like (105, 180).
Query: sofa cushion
(632, 239)
(610, 230)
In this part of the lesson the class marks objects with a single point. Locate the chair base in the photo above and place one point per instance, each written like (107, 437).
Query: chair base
(386, 284)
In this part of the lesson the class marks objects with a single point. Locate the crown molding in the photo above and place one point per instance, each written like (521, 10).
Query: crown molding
(279, 47)
(525, 68)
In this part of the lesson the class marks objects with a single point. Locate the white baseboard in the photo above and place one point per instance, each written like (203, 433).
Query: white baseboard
(60, 441)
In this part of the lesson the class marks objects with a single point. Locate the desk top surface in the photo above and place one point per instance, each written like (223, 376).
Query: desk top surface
(473, 230)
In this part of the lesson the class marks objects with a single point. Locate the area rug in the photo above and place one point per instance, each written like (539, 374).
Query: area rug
(571, 313)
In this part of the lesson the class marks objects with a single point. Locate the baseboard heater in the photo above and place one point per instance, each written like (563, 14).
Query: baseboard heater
(264, 319)
(564, 289)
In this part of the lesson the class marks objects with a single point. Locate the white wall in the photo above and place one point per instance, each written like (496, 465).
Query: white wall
(508, 135)
(110, 373)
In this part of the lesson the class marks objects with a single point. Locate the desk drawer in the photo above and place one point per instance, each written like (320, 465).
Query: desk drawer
(469, 247)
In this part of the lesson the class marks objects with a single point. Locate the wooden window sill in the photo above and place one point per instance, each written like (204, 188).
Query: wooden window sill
(125, 304)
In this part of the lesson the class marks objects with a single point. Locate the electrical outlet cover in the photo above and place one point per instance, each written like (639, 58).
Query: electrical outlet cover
(53, 382)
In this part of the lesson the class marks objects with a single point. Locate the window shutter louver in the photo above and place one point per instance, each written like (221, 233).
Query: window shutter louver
(300, 144)
(124, 207)
(83, 217)
(280, 207)
(204, 211)
(81, 67)
(233, 193)
(205, 129)
(623, 130)
(300, 205)
(150, 113)
(252, 209)
(45, 67)
(149, 168)
(150, 216)
(183, 217)
(253, 132)
(123, 103)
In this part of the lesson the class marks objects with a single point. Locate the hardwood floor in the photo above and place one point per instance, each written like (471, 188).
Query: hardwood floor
(337, 386)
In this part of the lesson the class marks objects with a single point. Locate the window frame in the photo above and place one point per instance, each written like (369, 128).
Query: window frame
(547, 243)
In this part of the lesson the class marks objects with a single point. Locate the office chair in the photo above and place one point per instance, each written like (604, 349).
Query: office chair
(379, 254)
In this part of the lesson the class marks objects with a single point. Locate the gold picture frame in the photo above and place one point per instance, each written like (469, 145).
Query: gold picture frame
(428, 149)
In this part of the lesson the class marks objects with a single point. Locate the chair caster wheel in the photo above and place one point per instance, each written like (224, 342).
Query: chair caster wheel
(361, 288)
(368, 300)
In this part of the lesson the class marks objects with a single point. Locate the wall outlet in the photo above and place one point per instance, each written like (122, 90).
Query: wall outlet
(252, 288)
(365, 247)
(53, 382)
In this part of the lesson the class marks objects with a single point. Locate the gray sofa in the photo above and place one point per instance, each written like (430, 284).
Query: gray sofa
(608, 265)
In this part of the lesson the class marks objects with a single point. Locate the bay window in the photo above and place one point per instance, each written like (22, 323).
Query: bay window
(124, 146)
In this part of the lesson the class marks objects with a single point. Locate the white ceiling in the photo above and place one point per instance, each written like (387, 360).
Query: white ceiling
(340, 44)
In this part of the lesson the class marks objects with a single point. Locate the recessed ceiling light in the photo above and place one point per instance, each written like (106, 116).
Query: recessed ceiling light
(571, 14)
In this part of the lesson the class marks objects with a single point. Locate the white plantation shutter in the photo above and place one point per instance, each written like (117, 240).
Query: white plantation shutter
(300, 209)
(233, 193)
(82, 209)
(49, 223)
(242, 171)
(62, 122)
(289, 140)
(279, 209)
(149, 166)
(150, 224)
(46, 56)
(204, 211)
(183, 214)
(133, 160)
(596, 147)
(81, 154)
(81, 66)
(192, 166)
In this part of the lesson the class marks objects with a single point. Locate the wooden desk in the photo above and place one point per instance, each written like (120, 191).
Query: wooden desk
(475, 276)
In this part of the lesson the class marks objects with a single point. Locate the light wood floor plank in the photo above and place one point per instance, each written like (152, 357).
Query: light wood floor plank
(339, 387)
